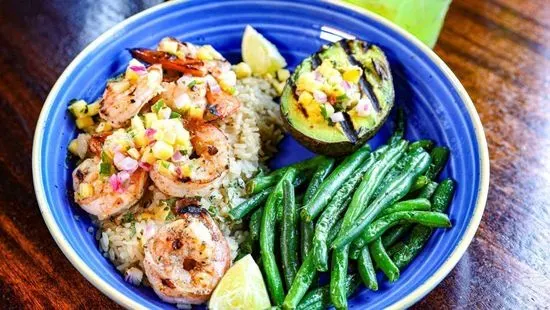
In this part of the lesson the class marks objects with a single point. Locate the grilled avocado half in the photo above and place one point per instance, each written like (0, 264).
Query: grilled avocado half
(338, 97)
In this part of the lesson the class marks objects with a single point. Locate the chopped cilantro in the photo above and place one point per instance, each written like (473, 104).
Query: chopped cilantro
(192, 83)
(175, 115)
(128, 217)
(157, 106)
(170, 216)
(133, 230)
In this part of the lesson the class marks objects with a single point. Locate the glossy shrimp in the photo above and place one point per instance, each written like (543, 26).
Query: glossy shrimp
(202, 171)
(185, 259)
(96, 194)
(124, 98)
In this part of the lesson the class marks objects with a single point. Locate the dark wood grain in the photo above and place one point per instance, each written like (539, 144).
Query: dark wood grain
(500, 51)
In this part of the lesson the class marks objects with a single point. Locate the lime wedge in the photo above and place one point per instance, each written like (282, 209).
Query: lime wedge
(242, 287)
(260, 54)
(422, 18)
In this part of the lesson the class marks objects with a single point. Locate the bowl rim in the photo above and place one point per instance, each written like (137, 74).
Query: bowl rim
(127, 302)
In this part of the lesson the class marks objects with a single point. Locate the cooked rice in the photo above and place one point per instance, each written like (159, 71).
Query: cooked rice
(253, 132)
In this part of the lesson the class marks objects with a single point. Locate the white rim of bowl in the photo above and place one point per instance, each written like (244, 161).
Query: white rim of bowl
(127, 302)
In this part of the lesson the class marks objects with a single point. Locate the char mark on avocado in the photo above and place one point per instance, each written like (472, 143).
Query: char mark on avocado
(364, 85)
(349, 130)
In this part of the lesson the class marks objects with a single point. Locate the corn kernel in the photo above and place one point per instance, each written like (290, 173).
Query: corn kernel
(305, 98)
(162, 150)
(134, 153)
(168, 45)
(283, 75)
(93, 108)
(137, 124)
(242, 70)
(119, 86)
(307, 81)
(85, 190)
(148, 156)
(73, 147)
(164, 113)
(195, 112)
(169, 137)
(149, 119)
(103, 127)
(79, 108)
(131, 75)
(84, 122)
(352, 74)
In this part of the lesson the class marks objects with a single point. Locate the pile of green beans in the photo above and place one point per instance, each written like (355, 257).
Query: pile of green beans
(378, 208)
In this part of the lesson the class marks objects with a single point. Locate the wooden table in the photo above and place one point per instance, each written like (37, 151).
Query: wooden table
(499, 49)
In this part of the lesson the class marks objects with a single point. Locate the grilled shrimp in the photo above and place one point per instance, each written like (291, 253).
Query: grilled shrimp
(123, 99)
(101, 199)
(206, 169)
(185, 259)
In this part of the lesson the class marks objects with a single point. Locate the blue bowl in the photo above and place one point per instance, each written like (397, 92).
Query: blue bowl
(436, 104)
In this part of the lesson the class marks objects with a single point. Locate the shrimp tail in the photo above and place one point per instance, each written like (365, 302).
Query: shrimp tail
(194, 67)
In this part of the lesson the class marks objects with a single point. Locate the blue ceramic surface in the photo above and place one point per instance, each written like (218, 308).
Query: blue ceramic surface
(436, 107)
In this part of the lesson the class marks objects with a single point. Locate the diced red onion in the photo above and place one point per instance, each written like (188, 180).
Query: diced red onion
(345, 85)
(177, 157)
(363, 107)
(115, 183)
(150, 132)
(137, 67)
(337, 117)
(213, 84)
(149, 231)
(128, 164)
(123, 176)
(178, 171)
(317, 76)
(145, 166)
(320, 96)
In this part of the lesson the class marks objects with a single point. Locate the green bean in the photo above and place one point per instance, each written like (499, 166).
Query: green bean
(443, 195)
(354, 252)
(372, 178)
(419, 183)
(378, 227)
(305, 276)
(255, 223)
(405, 254)
(392, 235)
(416, 165)
(318, 177)
(428, 190)
(396, 171)
(366, 269)
(439, 158)
(399, 127)
(307, 230)
(319, 298)
(338, 274)
(263, 181)
(267, 241)
(300, 179)
(392, 250)
(332, 183)
(421, 234)
(250, 204)
(426, 144)
(289, 234)
(418, 204)
(383, 261)
(327, 219)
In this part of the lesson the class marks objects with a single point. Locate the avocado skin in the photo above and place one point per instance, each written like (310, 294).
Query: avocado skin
(384, 92)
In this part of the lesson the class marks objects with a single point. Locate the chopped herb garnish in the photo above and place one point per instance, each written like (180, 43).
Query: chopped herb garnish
(133, 230)
(342, 97)
(192, 83)
(175, 115)
(170, 216)
(183, 152)
(324, 111)
(105, 169)
(157, 106)
(128, 217)
(169, 202)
